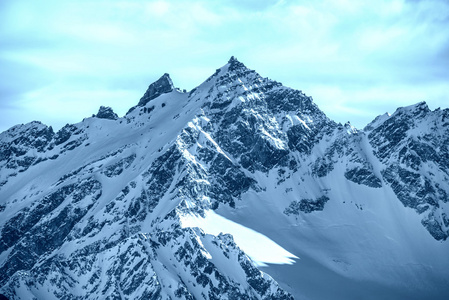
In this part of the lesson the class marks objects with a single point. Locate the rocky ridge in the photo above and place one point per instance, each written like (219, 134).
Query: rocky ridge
(108, 223)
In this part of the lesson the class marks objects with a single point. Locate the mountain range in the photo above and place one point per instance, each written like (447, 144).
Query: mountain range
(241, 188)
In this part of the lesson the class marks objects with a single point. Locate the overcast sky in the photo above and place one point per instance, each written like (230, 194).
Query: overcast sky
(60, 60)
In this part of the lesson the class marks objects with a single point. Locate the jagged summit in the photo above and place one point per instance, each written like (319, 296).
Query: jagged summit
(234, 64)
(232, 59)
(162, 86)
(419, 108)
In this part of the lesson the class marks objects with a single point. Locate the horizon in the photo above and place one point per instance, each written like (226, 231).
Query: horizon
(62, 60)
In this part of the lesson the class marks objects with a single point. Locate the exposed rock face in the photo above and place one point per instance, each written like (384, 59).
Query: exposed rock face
(162, 86)
(23, 146)
(95, 210)
(413, 144)
(106, 113)
(306, 205)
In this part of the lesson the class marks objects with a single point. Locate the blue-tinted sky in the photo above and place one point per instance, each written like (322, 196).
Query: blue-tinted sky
(60, 60)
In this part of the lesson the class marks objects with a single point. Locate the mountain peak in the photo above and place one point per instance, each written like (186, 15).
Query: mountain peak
(418, 106)
(161, 86)
(418, 109)
(234, 64)
(232, 59)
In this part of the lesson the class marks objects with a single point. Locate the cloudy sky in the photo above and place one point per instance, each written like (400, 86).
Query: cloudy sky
(60, 60)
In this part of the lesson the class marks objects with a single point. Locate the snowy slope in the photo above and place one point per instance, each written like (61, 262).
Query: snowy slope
(188, 194)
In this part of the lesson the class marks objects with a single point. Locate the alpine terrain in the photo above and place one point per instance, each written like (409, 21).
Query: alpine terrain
(239, 189)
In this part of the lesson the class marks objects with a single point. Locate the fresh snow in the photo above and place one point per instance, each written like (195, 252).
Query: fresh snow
(260, 248)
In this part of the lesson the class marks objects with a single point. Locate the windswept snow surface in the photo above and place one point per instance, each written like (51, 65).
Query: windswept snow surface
(361, 246)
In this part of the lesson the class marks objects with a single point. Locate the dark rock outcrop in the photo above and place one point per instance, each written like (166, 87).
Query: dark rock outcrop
(106, 113)
(162, 86)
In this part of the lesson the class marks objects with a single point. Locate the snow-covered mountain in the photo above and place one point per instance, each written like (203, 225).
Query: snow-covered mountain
(240, 189)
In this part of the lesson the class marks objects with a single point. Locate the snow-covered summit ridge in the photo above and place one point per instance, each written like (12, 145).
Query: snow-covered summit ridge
(414, 108)
(417, 110)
